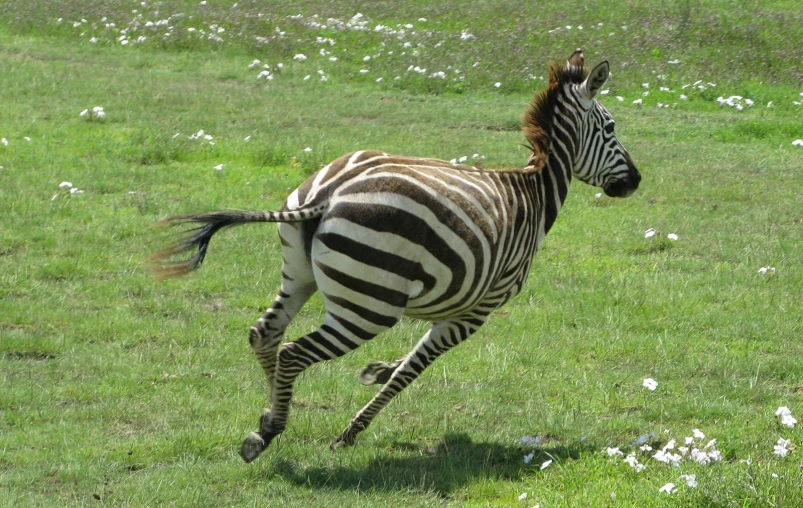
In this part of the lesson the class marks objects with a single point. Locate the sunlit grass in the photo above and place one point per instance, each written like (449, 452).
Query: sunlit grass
(118, 388)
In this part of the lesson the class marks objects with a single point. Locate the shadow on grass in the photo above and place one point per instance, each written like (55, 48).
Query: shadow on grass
(440, 469)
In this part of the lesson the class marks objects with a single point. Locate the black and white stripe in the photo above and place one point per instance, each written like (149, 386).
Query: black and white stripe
(383, 236)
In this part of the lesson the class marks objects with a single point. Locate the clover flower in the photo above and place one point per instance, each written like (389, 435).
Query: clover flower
(786, 417)
(669, 488)
(672, 236)
(633, 462)
(766, 270)
(650, 383)
(530, 440)
(219, 167)
(4, 141)
(649, 234)
(797, 142)
(781, 448)
(612, 452)
(690, 479)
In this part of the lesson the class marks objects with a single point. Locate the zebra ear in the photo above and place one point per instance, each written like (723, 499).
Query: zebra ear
(597, 78)
(577, 59)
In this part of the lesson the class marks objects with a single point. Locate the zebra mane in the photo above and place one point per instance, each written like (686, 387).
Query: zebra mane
(537, 120)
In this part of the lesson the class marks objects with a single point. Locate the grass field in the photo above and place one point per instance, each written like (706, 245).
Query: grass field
(121, 390)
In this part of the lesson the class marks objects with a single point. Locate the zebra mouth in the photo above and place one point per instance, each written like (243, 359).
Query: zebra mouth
(623, 187)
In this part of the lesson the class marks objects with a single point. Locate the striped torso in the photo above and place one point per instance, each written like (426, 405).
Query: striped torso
(440, 240)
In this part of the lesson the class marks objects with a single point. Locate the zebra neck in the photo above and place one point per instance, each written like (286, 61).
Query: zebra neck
(552, 186)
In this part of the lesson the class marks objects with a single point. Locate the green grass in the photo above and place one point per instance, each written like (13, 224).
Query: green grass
(120, 389)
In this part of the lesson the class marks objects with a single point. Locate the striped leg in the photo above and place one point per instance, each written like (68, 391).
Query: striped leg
(440, 338)
(332, 340)
(378, 373)
(266, 334)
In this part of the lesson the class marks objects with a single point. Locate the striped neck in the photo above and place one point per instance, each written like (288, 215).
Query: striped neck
(552, 182)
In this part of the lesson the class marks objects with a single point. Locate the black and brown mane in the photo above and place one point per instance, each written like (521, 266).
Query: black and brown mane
(537, 120)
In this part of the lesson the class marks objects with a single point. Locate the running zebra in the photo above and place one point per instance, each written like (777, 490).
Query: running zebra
(383, 236)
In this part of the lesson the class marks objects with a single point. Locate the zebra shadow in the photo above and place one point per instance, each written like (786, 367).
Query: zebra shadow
(442, 468)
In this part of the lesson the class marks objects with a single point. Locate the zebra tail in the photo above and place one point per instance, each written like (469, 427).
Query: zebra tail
(204, 226)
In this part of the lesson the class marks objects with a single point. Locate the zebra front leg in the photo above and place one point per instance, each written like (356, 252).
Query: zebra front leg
(440, 338)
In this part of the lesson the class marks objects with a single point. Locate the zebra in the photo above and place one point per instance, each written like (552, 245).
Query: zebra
(382, 236)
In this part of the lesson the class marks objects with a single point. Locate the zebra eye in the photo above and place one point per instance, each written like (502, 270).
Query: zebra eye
(609, 128)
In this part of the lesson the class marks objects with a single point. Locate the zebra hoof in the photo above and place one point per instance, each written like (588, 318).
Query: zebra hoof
(340, 442)
(252, 447)
(376, 373)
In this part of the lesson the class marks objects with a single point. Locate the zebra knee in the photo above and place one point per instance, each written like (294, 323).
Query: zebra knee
(261, 337)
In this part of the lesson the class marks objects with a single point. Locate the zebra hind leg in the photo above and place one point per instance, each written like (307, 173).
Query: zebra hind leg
(378, 373)
(330, 341)
(265, 337)
(439, 339)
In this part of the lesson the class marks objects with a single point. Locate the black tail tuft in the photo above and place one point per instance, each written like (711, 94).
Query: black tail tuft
(206, 225)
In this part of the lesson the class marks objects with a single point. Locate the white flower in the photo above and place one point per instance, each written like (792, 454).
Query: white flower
(219, 167)
(669, 446)
(308, 149)
(645, 448)
(669, 488)
(254, 64)
(766, 270)
(786, 417)
(613, 452)
(672, 236)
(247, 138)
(63, 185)
(649, 234)
(530, 440)
(93, 40)
(598, 195)
(667, 458)
(698, 434)
(83, 113)
(522, 496)
(673, 62)
(649, 383)
(797, 142)
(633, 462)
(497, 84)
(4, 141)
(529, 457)
(26, 138)
(645, 85)
(781, 449)
(546, 464)
(637, 101)
(691, 480)
(300, 57)
(683, 97)
(307, 77)
(620, 98)
(604, 92)
(75, 190)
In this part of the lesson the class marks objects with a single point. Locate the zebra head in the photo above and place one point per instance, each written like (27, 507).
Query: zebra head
(599, 158)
